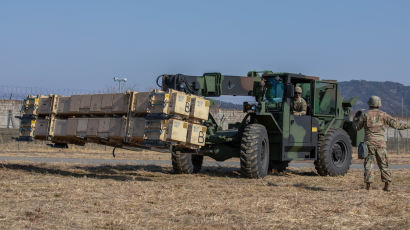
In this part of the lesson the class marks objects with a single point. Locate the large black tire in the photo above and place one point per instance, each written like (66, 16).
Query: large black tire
(334, 153)
(186, 163)
(254, 151)
(278, 166)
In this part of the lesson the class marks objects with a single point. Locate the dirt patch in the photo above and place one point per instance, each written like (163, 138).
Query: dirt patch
(56, 196)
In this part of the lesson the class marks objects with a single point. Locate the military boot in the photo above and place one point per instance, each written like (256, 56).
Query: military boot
(368, 186)
(386, 187)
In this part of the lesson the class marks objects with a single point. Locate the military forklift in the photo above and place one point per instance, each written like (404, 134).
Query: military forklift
(269, 136)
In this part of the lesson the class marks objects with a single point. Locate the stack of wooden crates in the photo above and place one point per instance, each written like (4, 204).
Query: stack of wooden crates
(133, 118)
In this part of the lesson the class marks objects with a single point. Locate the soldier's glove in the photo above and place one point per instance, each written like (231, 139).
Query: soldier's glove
(357, 115)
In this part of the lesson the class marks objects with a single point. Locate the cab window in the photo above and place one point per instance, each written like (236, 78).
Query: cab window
(325, 98)
(274, 91)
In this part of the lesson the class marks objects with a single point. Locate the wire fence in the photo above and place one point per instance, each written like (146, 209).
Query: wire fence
(9, 109)
(397, 141)
(11, 101)
(8, 92)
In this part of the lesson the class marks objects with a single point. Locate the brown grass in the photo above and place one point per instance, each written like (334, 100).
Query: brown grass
(64, 196)
(95, 151)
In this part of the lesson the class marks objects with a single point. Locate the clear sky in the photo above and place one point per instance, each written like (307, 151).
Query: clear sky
(84, 44)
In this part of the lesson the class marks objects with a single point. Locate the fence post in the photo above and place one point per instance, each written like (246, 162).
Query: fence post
(397, 141)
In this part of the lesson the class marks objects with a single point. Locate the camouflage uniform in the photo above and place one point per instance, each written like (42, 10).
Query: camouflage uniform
(374, 122)
(299, 105)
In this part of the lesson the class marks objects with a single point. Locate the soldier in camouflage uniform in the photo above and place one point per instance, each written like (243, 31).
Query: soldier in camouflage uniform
(374, 122)
(298, 104)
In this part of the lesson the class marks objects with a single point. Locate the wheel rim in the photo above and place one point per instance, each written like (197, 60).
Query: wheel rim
(339, 153)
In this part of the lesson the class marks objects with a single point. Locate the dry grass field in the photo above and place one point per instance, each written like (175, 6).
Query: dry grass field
(95, 151)
(65, 196)
(78, 196)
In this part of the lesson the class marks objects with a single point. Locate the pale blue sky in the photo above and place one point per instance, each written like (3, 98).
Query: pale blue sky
(83, 44)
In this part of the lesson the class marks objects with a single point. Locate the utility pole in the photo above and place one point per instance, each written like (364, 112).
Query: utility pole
(398, 131)
(407, 131)
(119, 80)
(407, 134)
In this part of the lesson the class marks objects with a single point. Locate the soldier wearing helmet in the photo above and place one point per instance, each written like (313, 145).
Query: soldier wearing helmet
(374, 122)
(299, 105)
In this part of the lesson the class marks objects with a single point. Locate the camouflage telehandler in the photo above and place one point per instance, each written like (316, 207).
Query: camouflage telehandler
(269, 136)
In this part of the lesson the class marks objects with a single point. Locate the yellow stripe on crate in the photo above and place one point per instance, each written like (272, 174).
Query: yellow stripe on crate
(314, 129)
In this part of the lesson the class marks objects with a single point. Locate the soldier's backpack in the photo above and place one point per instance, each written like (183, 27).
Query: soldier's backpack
(362, 151)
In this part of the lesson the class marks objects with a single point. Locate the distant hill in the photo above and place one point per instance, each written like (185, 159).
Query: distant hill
(391, 94)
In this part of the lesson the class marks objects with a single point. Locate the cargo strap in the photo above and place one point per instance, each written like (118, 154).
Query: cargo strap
(155, 143)
(155, 94)
(156, 104)
(113, 151)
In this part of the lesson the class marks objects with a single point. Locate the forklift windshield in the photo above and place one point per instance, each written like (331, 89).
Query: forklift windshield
(274, 90)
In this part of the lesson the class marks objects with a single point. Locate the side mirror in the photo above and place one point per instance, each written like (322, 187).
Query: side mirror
(290, 90)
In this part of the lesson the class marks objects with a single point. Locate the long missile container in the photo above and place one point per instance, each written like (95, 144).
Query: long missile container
(137, 119)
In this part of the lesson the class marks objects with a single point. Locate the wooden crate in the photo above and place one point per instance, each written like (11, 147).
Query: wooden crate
(81, 127)
(60, 128)
(160, 102)
(120, 103)
(30, 105)
(105, 128)
(199, 108)
(151, 102)
(41, 129)
(180, 103)
(44, 105)
(136, 130)
(166, 130)
(63, 105)
(196, 134)
(97, 104)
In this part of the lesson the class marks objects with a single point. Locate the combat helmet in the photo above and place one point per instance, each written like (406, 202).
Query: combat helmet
(374, 101)
(298, 89)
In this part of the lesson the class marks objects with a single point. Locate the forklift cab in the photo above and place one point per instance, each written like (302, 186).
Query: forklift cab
(299, 134)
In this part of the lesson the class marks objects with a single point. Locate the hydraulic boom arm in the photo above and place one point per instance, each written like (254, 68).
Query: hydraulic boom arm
(212, 84)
